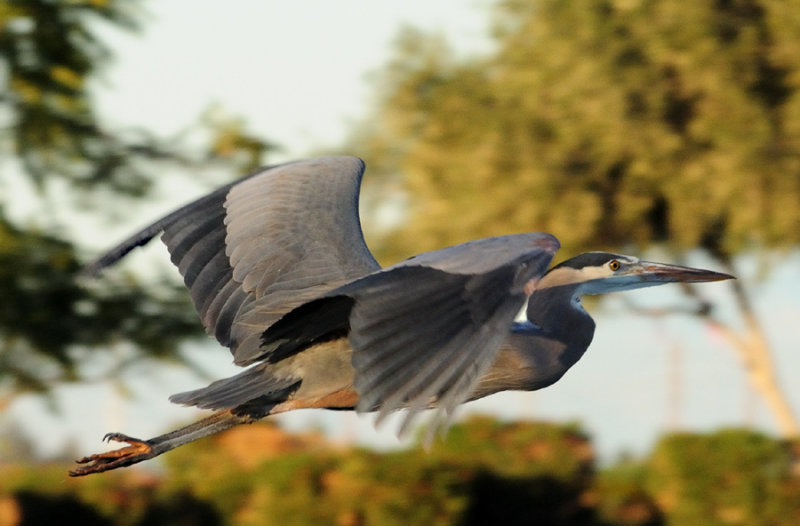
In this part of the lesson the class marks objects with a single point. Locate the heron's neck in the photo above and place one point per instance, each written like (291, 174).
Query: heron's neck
(560, 315)
(538, 352)
(558, 333)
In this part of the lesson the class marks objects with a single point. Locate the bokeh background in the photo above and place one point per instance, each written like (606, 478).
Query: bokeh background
(665, 129)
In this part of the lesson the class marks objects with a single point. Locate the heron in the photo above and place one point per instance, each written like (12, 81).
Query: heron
(279, 273)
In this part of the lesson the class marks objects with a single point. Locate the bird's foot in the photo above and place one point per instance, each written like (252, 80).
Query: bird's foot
(137, 451)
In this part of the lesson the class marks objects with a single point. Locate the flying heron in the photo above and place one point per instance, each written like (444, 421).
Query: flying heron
(279, 273)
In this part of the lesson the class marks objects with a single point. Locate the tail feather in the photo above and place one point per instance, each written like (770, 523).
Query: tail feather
(254, 386)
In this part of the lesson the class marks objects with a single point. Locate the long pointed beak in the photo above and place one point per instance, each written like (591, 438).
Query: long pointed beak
(663, 273)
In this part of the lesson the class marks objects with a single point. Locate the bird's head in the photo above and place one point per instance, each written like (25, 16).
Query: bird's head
(603, 272)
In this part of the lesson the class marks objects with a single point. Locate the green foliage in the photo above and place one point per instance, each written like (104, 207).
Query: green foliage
(613, 124)
(50, 51)
(480, 464)
(622, 497)
(728, 477)
(48, 319)
(45, 496)
(512, 449)
(261, 475)
(607, 123)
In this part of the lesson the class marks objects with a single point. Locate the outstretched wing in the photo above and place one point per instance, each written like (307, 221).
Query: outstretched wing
(256, 249)
(293, 235)
(425, 330)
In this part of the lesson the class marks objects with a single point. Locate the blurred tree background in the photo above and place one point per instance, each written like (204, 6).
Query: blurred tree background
(52, 140)
(613, 124)
(484, 472)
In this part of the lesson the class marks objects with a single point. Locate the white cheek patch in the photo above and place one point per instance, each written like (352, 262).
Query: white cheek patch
(591, 273)
(570, 276)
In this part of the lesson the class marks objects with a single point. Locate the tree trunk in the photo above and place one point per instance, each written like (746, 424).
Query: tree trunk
(753, 350)
(751, 346)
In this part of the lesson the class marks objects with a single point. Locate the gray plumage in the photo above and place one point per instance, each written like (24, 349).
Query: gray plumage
(279, 272)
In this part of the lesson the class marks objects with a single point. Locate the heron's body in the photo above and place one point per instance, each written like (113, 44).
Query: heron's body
(279, 273)
(326, 376)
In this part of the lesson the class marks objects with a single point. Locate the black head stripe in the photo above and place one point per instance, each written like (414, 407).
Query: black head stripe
(588, 259)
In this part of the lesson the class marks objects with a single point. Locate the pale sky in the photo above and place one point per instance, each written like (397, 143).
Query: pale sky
(299, 72)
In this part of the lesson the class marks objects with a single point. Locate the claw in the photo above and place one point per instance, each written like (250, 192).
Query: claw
(137, 451)
(119, 437)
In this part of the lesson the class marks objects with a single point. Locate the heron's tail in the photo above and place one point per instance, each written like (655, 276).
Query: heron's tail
(253, 391)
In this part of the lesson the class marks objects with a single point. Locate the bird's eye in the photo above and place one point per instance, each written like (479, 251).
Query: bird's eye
(614, 265)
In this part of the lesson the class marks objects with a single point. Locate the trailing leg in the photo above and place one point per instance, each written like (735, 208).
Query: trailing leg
(139, 450)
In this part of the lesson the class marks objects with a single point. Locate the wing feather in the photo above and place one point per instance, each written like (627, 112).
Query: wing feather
(255, 249)
(293, 235)
(423, 331)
